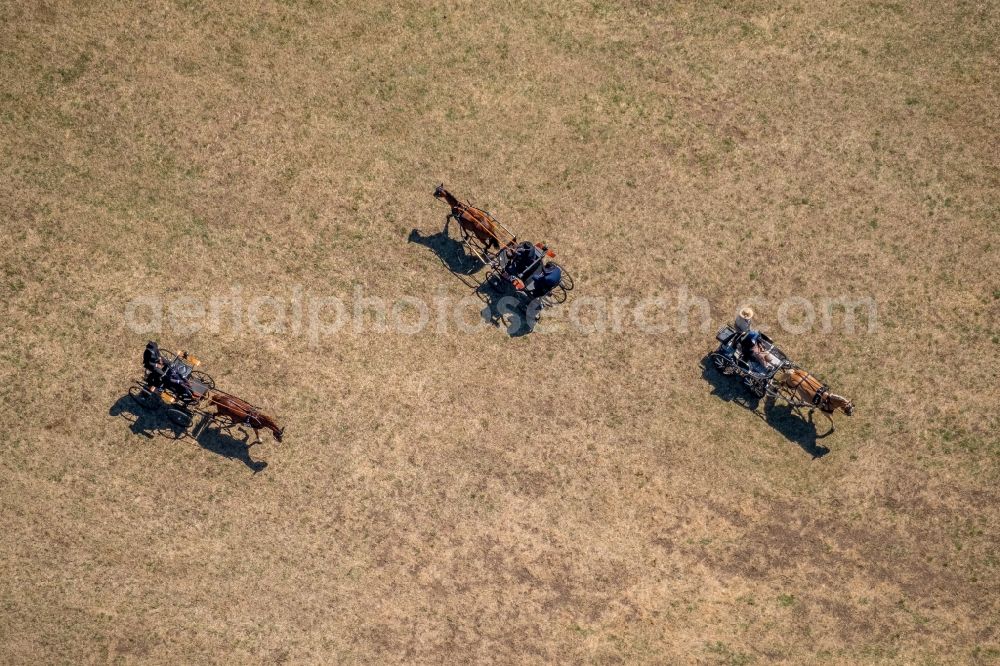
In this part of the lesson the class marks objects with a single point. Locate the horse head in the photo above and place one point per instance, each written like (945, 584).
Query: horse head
(265, 421)
(449, 198)
(840, 402)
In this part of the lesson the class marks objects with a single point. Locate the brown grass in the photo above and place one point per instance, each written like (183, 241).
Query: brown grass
(475, 497)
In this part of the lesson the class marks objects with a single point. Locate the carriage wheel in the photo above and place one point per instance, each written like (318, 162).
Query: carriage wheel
(754, 385)
(557, 295)
(566, 282)
(203, 378)
(179, 417)
(720, 363)
(143, 397)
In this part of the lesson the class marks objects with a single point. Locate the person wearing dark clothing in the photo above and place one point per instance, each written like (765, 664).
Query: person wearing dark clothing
(153, 364)
(151, 356)
(521, 259)
(547, 281)
(177, 384)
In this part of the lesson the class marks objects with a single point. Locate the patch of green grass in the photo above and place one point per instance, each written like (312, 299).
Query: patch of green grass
(68, 75)
(985, 654)
(727, 655)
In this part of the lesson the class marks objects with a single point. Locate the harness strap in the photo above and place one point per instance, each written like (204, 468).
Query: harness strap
(818, 396)
(252, 411)
(805, 376)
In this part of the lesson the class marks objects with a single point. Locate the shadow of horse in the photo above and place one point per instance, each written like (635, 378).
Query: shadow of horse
(786, 420)
(221, 442)
(451, 252)
(152, 422)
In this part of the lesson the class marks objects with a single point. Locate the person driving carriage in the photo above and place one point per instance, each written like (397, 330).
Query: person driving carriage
(177, 383)
(521, 259)
(752, 343)
(162, 375)
(153, 364)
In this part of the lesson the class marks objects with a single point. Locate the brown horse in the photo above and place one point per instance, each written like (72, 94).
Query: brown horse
(243, 413)
(472, 220)
(811, 392)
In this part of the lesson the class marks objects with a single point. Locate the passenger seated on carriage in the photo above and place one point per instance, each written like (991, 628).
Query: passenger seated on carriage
(548, 280)
(753, 350)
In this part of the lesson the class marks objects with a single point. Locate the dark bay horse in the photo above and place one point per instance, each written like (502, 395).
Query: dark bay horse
(472, 220)
(243, 413)
(812, 392)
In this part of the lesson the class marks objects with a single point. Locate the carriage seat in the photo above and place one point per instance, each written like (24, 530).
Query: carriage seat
(182, 369)
(725, 334)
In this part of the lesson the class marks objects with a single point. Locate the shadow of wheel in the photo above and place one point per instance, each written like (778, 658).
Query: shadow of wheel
(179, 417)
(143, 397)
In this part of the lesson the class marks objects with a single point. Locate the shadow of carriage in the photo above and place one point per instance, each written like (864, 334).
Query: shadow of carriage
(451, 252)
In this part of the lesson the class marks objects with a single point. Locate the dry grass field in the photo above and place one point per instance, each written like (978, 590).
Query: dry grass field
(459, 496)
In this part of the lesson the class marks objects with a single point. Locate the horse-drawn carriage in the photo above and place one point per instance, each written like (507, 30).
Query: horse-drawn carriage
(172, 381)
(735, 356)
(525, 267)
(176, 385)
(768, 372)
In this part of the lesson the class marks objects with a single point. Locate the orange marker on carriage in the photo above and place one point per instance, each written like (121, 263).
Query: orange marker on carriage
(548, 253)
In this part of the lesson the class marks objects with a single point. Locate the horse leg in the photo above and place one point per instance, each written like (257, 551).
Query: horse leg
(489, 240)
(829, 418)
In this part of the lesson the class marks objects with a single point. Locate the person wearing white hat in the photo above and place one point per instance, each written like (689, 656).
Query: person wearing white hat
(744, 319)
(753, 344)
